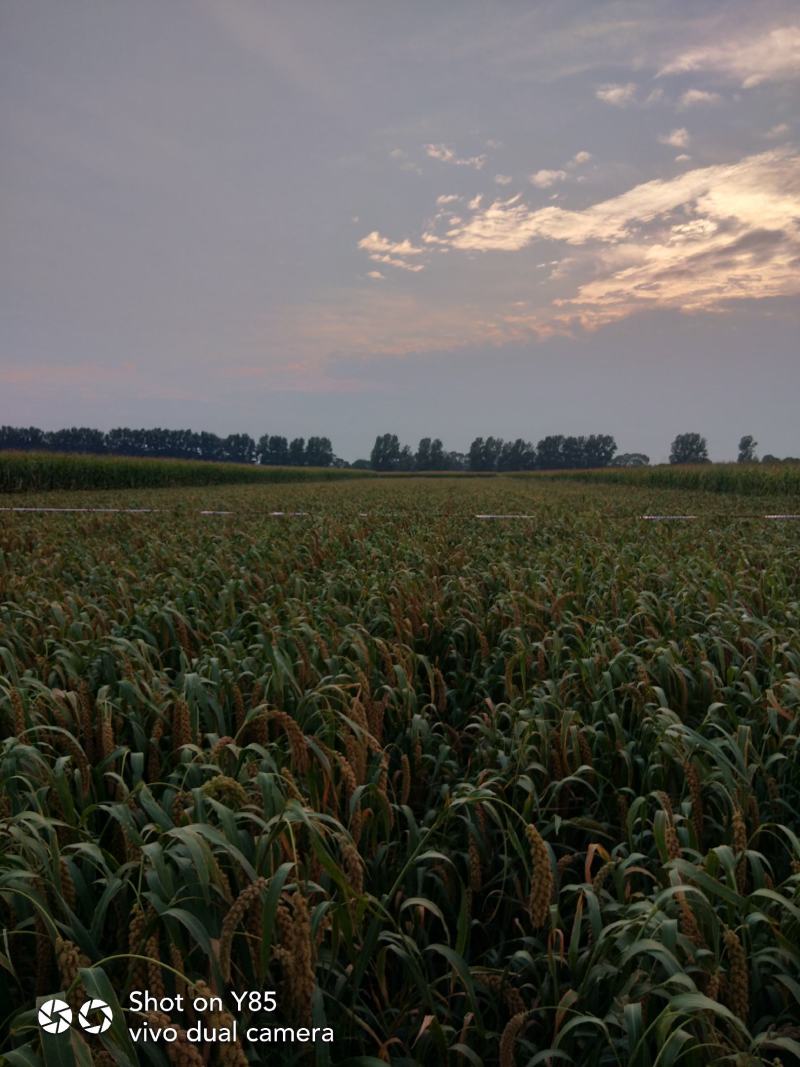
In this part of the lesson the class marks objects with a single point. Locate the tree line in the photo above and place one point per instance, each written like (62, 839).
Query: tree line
(270, 449)
(554, 452)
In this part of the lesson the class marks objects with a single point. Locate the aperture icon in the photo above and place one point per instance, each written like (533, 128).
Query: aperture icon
(55, 1016)
(91, 1009)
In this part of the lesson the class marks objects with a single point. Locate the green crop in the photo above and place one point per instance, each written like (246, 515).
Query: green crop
(781, 479)
(26, 471)
(479, 792)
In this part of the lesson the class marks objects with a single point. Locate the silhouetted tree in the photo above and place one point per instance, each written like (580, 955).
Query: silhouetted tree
(573, 452)
(273, 450)
(405, 460)
(76, 439)
(456, 461)
(769, 458)
(22, 438)
(747, 450)
(239, 448)
(297, 452)
(178, 444)
(550, 453)
(422, 459)
(385, 452)
(484, 454)
(438, 457)
(210, 446)
(598, 450)
(689, 448)
(517, 455)
(319, 452)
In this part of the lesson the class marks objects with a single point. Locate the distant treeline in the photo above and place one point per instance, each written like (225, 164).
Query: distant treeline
(553, 453)
(485, 454)
(270, 449)
(494, 454)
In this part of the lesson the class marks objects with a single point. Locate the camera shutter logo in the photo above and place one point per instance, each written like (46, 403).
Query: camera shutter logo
(55, 1016)
(95, 1006)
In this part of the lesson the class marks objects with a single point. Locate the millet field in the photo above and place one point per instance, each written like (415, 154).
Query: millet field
(517, 791)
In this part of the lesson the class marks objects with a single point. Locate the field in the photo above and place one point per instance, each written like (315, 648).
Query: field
(751, 479)
(41, 471)
(464, 790)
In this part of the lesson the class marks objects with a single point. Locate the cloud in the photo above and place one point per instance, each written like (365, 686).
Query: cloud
(780, 130)
(617, 95)
(383, 250)
(773, 55)
(545, 178)
(376, 274)
(446, 154)
(695, 241)
(447, 198)
(376, 242)
(503, 179)
(763, 189)
(581, 157)
(676, 138)
(682, 158)
(693, 97)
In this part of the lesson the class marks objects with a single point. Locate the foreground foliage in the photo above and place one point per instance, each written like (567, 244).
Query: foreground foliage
(467, 792)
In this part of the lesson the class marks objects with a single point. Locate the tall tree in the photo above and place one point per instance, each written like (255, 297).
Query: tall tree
(239, 448)
(550, 453)
(599, 450)
(210, 446)
(405, 460)
(277, 451)
(319, 452)
(573, 452)
(297, 452)
(422, 460)
(747, 450)
(438, 458)
(475, 459)
(484, 453)
(517, 455)
(385, 453)
(689, 448)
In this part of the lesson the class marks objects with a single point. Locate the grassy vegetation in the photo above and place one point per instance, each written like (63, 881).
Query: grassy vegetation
(468, 792)
(754, 479)
(33, 471)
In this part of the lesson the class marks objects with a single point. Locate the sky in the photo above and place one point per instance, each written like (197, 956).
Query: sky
(453, 219)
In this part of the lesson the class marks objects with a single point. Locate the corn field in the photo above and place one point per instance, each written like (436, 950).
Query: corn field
(464, 792)
(752, 479)
(25, 471)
